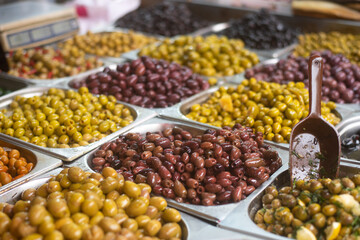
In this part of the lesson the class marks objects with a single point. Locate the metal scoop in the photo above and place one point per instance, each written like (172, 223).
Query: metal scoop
(314, 143)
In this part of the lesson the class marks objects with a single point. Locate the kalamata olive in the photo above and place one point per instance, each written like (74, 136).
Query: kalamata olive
(334, 95)
(192, 168)
(348, 95)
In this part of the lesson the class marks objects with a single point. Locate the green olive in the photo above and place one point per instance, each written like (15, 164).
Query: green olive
(37, 214)
(109, 225)
(170, 230)
(136, 208)
(71, 231)
(158, 202)
(131, 189)
(152, 227)
(171, 215)
(110, 208)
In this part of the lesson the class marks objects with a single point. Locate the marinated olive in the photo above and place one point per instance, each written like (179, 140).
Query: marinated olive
(322, 210)
(49, 63)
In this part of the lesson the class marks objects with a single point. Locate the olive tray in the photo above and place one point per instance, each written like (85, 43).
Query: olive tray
(42, 164)
(268, 53)
(240, 219)
(68, 84)
(69, 154)
(45, 82)
(178, 111)
(213, 214)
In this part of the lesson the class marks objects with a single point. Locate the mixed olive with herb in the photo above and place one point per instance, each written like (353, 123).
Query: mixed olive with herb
(89, 206)
(315, 209)
(50, 63)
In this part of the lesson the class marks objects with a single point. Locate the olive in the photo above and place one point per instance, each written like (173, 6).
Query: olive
(170, 230)
(109, 225)
(227, 107)
(131, 189)
(110, 208)
(89, 207)
(46, 227)
(142, 220)
(108, 185)
(137, 207)
(171, 215)
(300, 213)
(158, 202)
(123, 201)
(37, 214)
(215, 62)
(152, 227)
(93, 233)
(319, 220)
(314, 208)
(76, 175)
(47, 63)
(71, 231)
(58, 208)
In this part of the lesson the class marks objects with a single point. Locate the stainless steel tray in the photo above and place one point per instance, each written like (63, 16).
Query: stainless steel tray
(353, 107)
(133, 55)
(217, 12)
(45, 82)
(69, 154)
(14, 195)
(210, 213)
(270, 53)
(241, 218)
(198, 229)
(347, 129)
(119, 59)
(12, 85)
(42, 164)
(68, 84)
(178, 110)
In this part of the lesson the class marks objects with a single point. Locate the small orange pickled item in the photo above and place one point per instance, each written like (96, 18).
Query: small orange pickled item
(4, 159)
(3, 168)
(1, 151)
(5, 178)
(12, 171)
(12, 162)
(20, 163)
(21, 170)
(29, 166)
(14, 154)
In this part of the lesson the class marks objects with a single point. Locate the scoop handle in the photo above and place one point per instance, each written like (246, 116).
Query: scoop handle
(315, 76)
